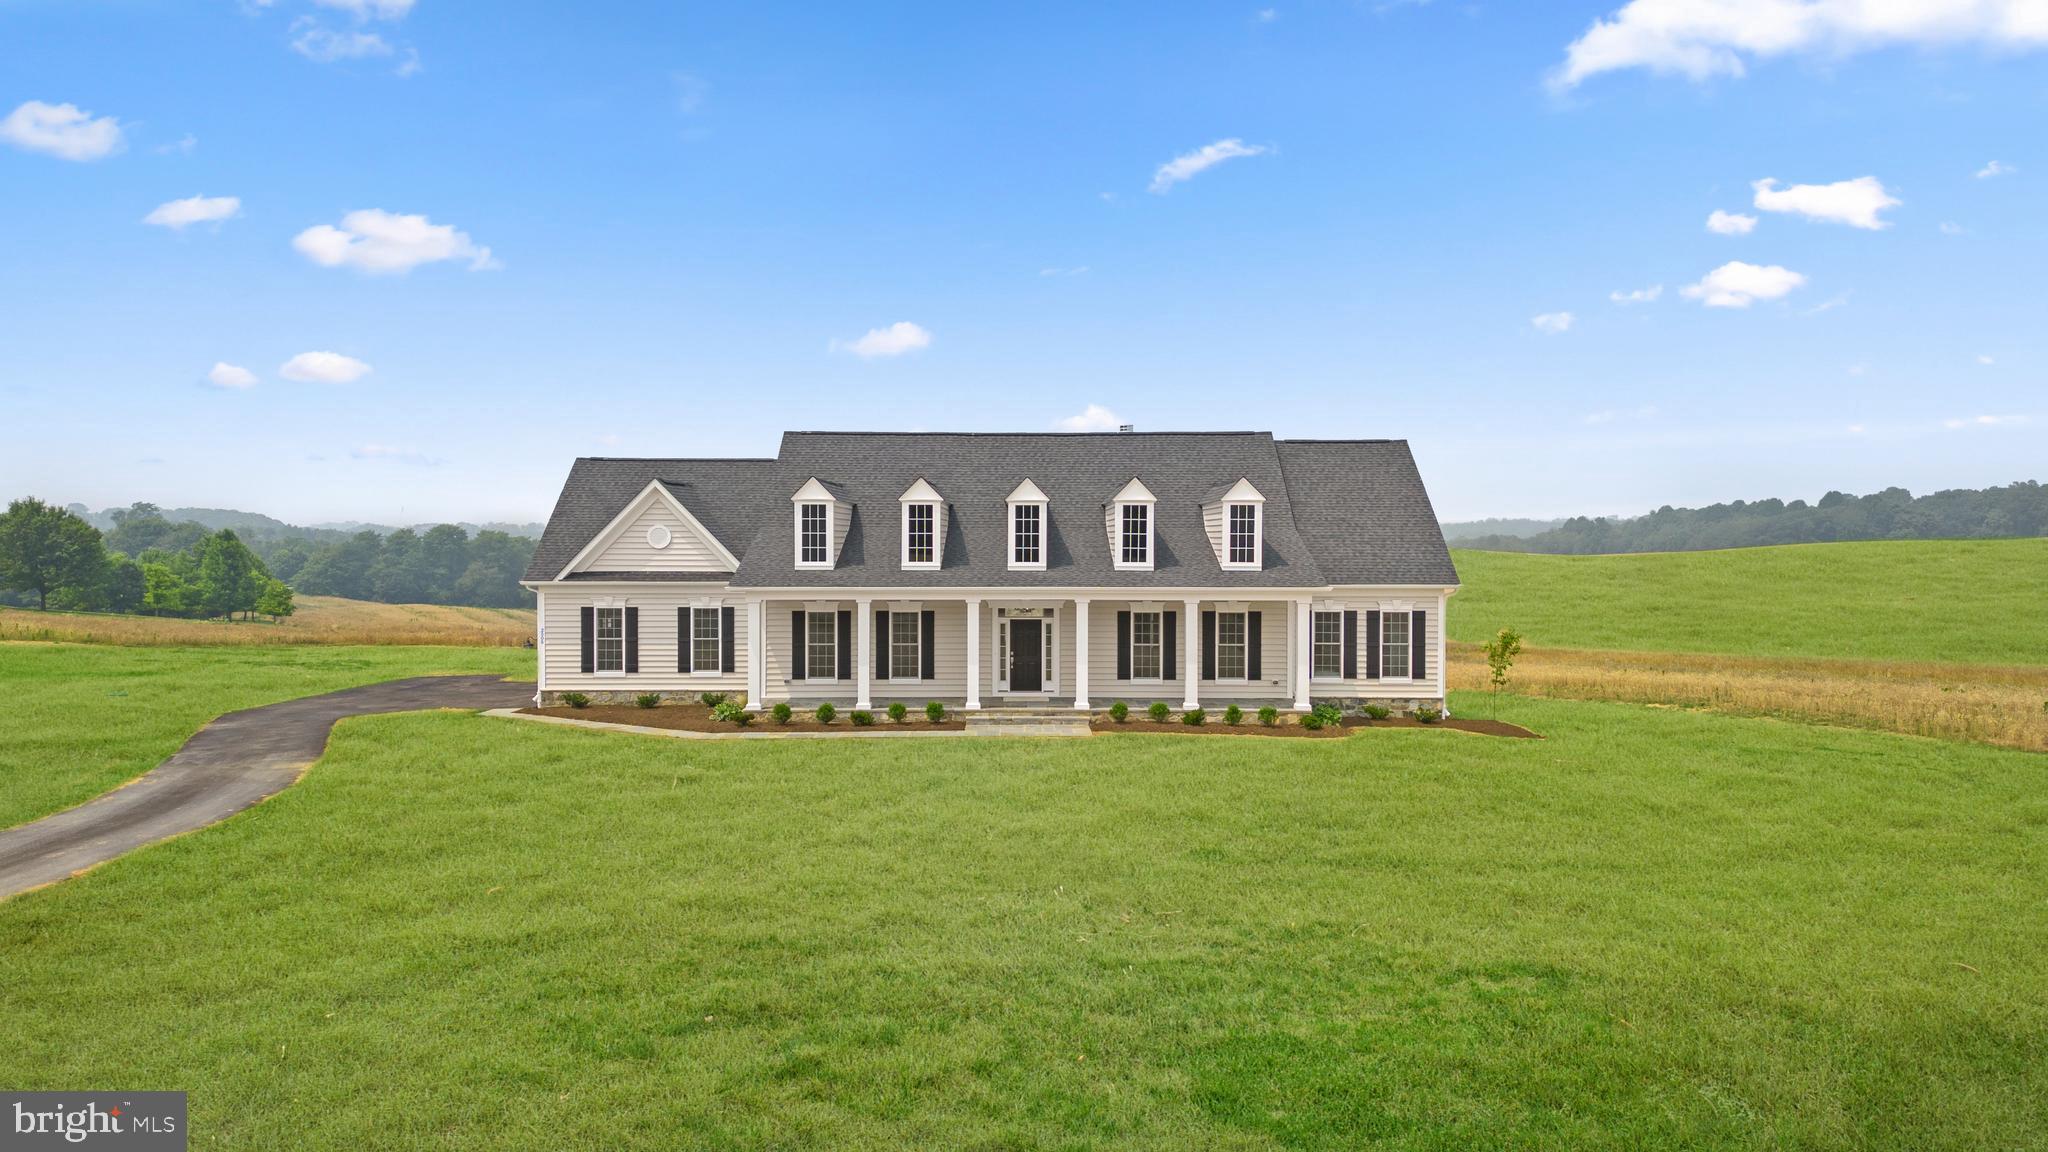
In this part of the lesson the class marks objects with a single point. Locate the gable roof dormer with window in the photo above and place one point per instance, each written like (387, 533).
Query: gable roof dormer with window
(1131, 518)
(823, 518)
(1235, 517)
(923, 527)
(1029, 526)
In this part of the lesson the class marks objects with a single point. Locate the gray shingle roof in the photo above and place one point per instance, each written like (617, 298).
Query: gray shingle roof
(1379, 529)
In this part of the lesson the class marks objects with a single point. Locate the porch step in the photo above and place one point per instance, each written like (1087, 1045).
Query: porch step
(1027, 722)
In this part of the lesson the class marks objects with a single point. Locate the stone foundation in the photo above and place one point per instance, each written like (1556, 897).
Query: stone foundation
(553, 699)
(1398, 705)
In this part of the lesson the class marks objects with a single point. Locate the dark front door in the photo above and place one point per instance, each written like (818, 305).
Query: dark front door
(1027, 656)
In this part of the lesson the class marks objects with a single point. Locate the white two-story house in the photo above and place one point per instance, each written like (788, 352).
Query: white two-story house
(1198, 568)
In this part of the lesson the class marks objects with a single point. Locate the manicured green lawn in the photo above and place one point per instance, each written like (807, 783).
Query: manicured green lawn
(1955, 601)
(1653, 929)
(78, 719)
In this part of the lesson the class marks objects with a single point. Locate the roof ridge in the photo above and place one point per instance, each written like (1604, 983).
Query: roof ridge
(1192, 432)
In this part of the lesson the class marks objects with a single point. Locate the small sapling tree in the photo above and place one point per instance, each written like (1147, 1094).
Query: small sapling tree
(1500, 658)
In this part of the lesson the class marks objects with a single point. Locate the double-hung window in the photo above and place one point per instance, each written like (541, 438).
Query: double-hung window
(1394, 644)
(906, 645)
(1146, 639)
(1027, 531)
(1243, 544)
(814, 542)
(610, 650)
(1329, 646)
(705, 654)
(1135, 536)
(1230, 646)
(821, 645)
(920, 544)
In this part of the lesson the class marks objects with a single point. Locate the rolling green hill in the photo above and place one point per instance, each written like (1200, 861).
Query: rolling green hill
(1960, 601)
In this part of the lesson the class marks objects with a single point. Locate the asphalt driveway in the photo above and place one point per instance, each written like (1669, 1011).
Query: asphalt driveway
(230, 764)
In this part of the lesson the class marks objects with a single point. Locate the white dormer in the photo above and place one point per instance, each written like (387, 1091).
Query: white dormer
(822, 518)
(924, 527)
(1132, 520)
(1235, 516)
(1027, 520)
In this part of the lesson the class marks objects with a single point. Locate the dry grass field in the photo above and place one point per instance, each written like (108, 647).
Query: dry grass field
(319, 620)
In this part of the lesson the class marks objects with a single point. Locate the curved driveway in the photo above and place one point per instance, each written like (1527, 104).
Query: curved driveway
(235, 761)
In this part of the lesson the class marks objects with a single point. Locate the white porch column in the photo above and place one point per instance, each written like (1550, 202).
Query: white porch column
(1191, 613)
(540, 645)
(757, 654)
(864, 627)
(973, 655)
(1304, 651)
(1080, 654)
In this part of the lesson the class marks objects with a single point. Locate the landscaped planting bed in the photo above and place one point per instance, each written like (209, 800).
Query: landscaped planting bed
(694, 717)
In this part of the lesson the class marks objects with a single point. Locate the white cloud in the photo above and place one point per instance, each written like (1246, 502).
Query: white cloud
(226, 375)
(1982, 422)
(1856, 429)
(183, 146)
(1191, 164)
(370, 9)
(1985, 360)
(62, 130)
(324, 368)
(326, 45)
(1731, 223)
(895, 340)
(1700, 39)
(1738, 285)
(1951, 228)
(1995, 168)
(1853, 202)
(1093, 418)
(1552, 323)
(1638, 296)
(1267, 15)
(177, 214)
(373, 240)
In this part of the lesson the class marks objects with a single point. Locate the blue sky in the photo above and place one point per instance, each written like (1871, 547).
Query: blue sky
(678, 229)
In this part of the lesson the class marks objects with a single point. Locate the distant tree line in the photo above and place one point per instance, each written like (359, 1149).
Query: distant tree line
(52, 554)
(2019, 509)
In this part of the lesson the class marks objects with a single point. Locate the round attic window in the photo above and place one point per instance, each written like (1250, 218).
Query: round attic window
(657, 536)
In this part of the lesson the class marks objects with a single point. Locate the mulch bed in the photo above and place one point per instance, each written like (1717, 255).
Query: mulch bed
(1251, 727)
(697, 718)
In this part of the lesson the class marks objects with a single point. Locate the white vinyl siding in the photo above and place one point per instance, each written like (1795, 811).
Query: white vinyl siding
(686, 552)
(563, 622)
(1361, 601)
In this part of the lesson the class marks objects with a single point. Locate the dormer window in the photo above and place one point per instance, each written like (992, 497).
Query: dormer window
(924, 526)
(1132, 525)
(1027, 505)
(814, 534)
(1244, 534)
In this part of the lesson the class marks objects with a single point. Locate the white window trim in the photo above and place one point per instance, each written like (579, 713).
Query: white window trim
(830, 512)
(1137, 610)
(810, 676)
(1402, 610)
(1151, 536)
(1221, 611)
(718, 629)
(608, 604)
(1258, 536)
(1325, 677)
(917, 630)
(1044, 537)
(932, 564)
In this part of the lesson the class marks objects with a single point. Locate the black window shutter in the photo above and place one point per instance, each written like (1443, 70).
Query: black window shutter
(684, 635)
(1418, 627)
(1208, 645)
(883, 644)
(845, 644)
(928, 635)
(632, 639)
(589, 639)
(796, 645)
(1252, 629)
(1169, 636)
(1372, 644)
(725, 643)
(1350, 645)
(1123, 645)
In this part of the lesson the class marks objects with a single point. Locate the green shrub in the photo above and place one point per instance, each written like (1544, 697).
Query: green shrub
(826, 712)
(1233, 715)
(897, 712)
(575, 699)
(934, 711)
(1194, 716)
(1429, 714)
(648, 700)
(1119, 711)
(1269, 715)
(862, 718)
(1311, 721)
(732, 712)
(711, 699)
(743, 718)
(1329, 713)
(1158, 711)
(1376, 711)
(781, 712)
